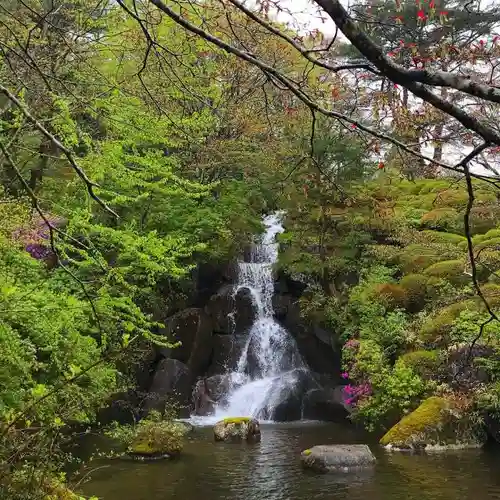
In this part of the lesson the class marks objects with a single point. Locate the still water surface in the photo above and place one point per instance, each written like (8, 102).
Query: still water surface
(271, 471)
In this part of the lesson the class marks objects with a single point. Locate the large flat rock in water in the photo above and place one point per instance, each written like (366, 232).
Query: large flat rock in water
(337, 457)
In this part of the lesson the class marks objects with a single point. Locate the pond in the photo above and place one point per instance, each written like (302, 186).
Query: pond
(271, 470)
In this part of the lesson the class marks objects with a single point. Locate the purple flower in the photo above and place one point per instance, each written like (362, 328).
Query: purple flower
(344, 375)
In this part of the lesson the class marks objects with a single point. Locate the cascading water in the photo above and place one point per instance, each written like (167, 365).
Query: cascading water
(267, 370)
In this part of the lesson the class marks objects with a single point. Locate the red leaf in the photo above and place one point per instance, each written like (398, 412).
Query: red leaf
(381, 165)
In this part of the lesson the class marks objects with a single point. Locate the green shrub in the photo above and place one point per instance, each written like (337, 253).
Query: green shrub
(442, 237)
(437, 327)
(456, 198)
(424, 363)
(451, 270)
(416, 291)
(394, 392)
(391, 295)
(488, 242)
(444, 219)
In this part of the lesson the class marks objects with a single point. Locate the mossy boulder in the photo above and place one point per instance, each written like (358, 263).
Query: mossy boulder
(339, 457)
(438, 423)
(157, 440)
(237, 430)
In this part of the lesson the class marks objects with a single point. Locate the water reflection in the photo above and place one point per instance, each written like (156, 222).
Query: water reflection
(271, 471)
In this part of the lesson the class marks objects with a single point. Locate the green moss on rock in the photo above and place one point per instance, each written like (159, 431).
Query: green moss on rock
(237, 430)
(436, 422)
(158, 439)
(236, 420)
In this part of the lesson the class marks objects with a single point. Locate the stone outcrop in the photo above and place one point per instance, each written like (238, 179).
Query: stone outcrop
(316, 345)
(438, 423)
(171, 382)
(325, 404)
(245, 311)
(226, 353)
(220, 308)
(237, 430)
(193, 329)
(337, 458)
(208, 392)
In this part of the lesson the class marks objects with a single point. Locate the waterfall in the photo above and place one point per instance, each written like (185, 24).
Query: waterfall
(267, 370)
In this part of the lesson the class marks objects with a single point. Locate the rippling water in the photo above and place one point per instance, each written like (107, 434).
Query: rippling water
(271, 471)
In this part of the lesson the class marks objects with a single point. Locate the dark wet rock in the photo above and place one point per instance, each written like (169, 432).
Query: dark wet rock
(218, 386)
(209, 277)
(294, 284)
(316, 345)
(226, 352)
(123, 407)
(281, 306)
(289, 408)
(245, 311)
(337, 458)
(193, 329)
(171, 383)
(325, 404)
(237, 430)
(208, 392)
(492, 424)
(290, 390)
(220, 308)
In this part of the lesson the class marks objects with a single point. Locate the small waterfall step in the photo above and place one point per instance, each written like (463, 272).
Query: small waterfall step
(270, 367)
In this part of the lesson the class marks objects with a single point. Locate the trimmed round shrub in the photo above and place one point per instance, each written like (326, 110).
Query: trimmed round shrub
(452, 198)
(442, 237)
(415, 286)
(424, 363)
(441, 218)
(437, 327)
(391, 295)
(451, 270)
(489, 242)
